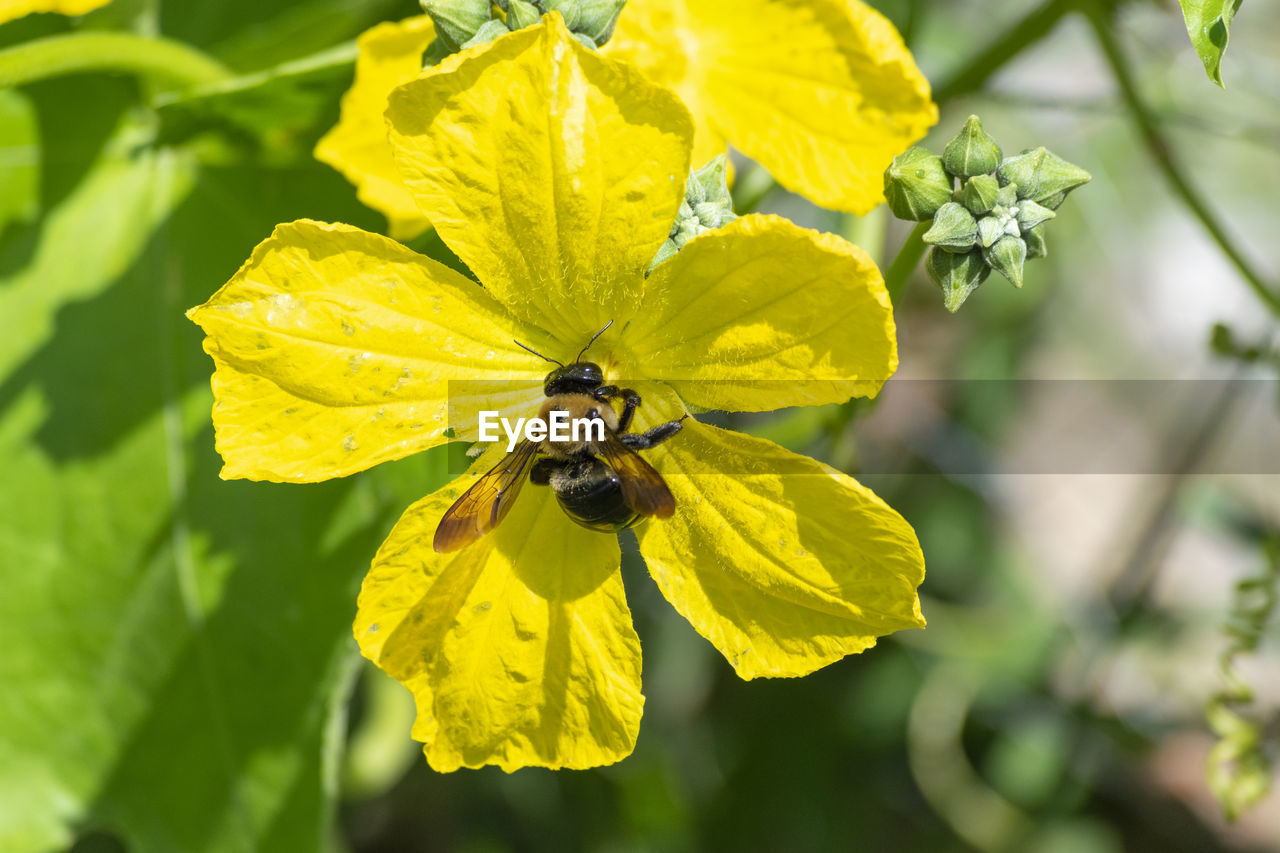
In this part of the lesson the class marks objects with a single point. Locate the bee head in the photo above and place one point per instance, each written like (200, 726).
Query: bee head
(581, 377)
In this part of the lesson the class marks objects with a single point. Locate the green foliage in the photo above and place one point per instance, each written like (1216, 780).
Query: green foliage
(1209, 25)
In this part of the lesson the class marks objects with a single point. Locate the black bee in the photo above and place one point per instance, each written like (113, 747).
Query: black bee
(601, 484)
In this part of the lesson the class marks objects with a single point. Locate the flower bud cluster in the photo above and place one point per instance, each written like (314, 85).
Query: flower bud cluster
(707, 204)
(465, 23)
(988, 211)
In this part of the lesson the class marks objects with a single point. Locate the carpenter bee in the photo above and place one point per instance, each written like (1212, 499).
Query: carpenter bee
(602, 484)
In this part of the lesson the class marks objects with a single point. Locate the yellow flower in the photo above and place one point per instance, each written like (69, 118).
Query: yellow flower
(11, 9)
(555, 173)
(822, 93)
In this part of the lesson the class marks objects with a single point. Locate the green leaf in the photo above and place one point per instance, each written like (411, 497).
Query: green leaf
(1208, 23)
(177, 648)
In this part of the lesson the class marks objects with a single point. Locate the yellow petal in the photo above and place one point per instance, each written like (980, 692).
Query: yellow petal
(822, 93)
(519, 649)
(554, 173)
(653, 35)
(335, 350)
(389, 54)
(762, 314)
(11, 9)
(783, 563)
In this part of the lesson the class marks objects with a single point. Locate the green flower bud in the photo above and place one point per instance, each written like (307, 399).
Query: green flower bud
(990, 229)
(1008, 195)
(598, 18)
(584, 40)
(456, 21)
(1031, 214)
(521, 14)
(916, 185)
(1042, 176)
(1034, 238)
(1007, 256)
(979, 194)
(707, 204)
(570, 10)
(957, 275)
(488, 31)
(953, 229)
(972, 152)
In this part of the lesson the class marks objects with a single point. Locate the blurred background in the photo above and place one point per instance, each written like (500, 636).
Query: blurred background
(1091, 470)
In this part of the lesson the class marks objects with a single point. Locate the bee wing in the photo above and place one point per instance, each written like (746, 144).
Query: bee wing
(643, 488)
(486, 503)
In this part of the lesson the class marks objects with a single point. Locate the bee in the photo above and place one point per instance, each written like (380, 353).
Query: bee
(603, 485)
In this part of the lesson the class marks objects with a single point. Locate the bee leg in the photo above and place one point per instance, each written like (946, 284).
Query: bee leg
(652, 437)
(540, 473)
(630, 402)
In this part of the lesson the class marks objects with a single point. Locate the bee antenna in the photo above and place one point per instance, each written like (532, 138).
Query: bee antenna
(535, 352)
(593, 340)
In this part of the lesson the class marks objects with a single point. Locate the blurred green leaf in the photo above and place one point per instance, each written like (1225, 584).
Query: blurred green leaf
(178, 648)
(19, 159)
(1208, 24)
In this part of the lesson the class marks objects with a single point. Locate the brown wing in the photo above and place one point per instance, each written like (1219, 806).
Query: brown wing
(643, 488)
(486, 503)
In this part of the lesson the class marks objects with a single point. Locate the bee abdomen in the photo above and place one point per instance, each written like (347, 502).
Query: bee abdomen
(590, 493)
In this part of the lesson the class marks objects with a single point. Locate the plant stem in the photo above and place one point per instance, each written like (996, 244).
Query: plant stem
(1161, 152)
(1035, 26)
(751, 188)
(895, 280)
(158, 58)
(867, 232)
(334, 57)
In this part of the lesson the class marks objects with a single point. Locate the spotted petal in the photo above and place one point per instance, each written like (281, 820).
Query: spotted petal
(335, 350)
(783, 563)
(822, 93)
(519, 649)
(554, 173)
(762, 314)
(389, 54)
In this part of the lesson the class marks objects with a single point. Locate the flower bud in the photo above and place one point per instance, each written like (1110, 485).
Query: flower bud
(521, 14)
(1006, 256)
(570, 10)
(488, 31)
(1031, 214)
(953, 229)
(707, 204)
(1008, 195)
(1042, 176)
(710, 183)
(916, 185)
(990, 229)
(979, 194)
(456, 21)
(1034, 238)
(972, 152)
(598, 17)
(957, 274)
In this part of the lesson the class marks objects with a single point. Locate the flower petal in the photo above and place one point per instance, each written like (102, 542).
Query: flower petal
(554, 173)
(822, 93)
(519, 649)
(762, 314)
(389, 54)
(653, 35)
(783, 563)
(335, 348)
(13, 9)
